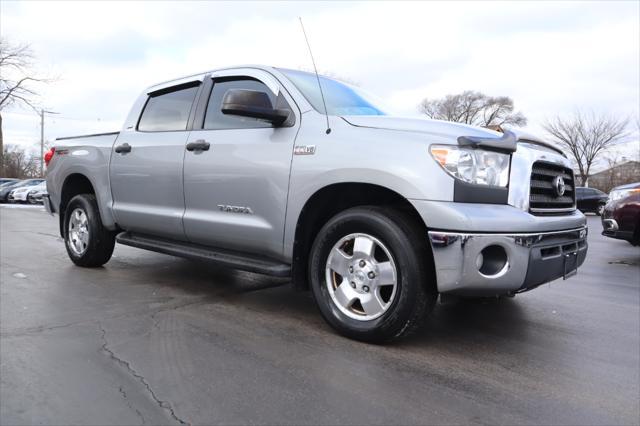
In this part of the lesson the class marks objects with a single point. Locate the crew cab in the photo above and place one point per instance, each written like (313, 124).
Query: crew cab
(281, 172)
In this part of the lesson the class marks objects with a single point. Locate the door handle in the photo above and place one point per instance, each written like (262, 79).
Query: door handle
(199, 145)
(125, 147)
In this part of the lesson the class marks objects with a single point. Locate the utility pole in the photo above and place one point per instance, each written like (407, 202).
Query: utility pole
(42, 113)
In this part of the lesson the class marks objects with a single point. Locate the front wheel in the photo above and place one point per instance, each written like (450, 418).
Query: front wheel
(88, 243)
(371, 275)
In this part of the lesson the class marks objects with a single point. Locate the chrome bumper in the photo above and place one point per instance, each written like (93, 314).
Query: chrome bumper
(497, 264)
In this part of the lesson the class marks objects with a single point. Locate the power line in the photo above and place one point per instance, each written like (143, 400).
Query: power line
(42, 113)
(57, 117)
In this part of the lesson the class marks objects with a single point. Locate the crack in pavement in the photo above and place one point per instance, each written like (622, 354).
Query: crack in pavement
(163, 404)
(40, 329)
(126, 400)
(43, 328)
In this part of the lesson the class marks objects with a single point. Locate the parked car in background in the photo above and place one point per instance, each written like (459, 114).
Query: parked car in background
(19, 195)
(7, 188)
(621, 215)
(34, 196)
(7, 180)
(591, 200)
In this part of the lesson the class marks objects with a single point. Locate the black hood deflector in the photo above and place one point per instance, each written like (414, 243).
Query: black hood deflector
(507, 143)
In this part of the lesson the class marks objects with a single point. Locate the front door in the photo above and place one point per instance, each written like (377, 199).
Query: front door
(146, 166)
(236, 191)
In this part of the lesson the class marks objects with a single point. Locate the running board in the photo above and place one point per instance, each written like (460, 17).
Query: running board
(222, 257)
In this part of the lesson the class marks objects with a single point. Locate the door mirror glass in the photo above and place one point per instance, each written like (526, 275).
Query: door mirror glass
(253, 103)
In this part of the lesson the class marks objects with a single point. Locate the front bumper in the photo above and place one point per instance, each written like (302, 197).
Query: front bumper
(492, 264)
(611, 229)
(20, 197)
(621, 222)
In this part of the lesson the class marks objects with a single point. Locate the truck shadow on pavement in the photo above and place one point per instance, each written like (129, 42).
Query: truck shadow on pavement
(462, 320)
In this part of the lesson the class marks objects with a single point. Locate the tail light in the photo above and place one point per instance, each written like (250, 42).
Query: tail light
(49, 155)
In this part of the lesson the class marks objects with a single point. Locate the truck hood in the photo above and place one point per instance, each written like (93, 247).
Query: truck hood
(446, 129)
(420, 125)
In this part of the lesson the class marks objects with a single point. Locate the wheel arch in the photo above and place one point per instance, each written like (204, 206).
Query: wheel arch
(74, 184)
(328, 201)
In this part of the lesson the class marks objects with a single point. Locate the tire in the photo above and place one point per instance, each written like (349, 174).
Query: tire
(365, 309)
(88, 243)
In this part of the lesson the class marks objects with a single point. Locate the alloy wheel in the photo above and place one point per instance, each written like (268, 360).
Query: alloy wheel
(78, 232)
(361, 277)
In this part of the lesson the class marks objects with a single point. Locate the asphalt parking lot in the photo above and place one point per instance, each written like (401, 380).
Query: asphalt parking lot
(151, 339)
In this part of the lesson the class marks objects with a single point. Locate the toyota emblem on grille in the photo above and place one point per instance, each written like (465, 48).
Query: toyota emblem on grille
(558, 185)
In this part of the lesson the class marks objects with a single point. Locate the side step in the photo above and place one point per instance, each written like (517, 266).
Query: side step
(222, 257)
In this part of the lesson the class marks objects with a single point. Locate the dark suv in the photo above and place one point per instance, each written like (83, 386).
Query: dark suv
(621, 216)
(590, 200)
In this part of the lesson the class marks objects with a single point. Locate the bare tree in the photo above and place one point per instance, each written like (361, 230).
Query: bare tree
(474, 108)
(19, 164)
(586, 136)
(612, 159)
(17, 80)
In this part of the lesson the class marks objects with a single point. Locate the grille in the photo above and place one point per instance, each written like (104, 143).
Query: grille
(543, 197)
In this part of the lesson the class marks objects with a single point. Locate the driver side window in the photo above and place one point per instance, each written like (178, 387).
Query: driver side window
(216, 120)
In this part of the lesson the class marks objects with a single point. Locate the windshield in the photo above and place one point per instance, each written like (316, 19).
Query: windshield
(341, 98)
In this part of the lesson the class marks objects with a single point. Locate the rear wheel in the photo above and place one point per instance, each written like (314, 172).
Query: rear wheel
(371, 275)
(88, 243)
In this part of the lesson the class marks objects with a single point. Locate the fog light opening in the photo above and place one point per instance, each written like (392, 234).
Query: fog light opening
(492, 261)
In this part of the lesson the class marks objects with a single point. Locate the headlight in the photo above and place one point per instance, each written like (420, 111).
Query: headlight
(622, 193)
(473, 165)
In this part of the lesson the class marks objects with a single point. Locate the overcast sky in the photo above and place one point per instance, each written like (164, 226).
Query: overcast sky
(550, 57)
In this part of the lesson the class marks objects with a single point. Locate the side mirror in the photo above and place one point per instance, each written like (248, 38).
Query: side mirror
(253, 103)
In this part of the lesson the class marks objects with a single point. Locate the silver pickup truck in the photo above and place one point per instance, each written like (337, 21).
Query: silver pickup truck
(376, 214)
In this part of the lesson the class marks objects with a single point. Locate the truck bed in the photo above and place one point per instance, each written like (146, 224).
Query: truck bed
(83, 157)
(88, 136)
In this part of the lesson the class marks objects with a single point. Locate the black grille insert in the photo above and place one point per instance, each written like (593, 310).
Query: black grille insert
(544, 197)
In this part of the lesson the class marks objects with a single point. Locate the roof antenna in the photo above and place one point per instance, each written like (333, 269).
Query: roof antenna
(326, 113)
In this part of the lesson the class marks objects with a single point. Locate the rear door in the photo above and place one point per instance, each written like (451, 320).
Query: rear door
(236, 191)
(146, 165)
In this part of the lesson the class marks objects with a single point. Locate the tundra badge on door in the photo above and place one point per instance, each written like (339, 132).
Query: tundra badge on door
(235, 209)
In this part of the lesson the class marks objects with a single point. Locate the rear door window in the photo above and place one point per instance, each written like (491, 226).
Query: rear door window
(168, 110)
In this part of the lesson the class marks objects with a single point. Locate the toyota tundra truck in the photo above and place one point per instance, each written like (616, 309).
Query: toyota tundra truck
(290, 174)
